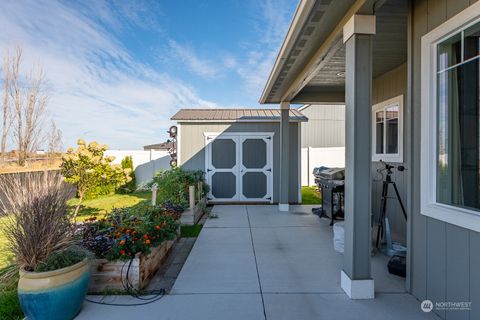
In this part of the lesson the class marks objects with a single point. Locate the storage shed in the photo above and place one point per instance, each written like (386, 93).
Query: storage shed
(240, 151)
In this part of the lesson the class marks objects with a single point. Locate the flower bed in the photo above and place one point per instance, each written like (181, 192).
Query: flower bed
(135, 239)
(112, 275)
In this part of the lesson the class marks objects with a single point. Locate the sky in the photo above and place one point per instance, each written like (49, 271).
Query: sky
(118, 70)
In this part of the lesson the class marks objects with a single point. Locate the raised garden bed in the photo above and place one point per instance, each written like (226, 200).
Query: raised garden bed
(191, 217)
(112, 275)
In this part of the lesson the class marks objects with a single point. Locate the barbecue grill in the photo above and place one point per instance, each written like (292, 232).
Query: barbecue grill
(331, 182)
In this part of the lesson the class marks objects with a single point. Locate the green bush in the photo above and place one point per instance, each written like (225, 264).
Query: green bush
(62, 259)
(131, 186)
(101, 190)
(173, 185)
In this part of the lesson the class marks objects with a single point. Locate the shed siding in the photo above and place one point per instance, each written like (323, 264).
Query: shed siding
(389, 85)
(445, 258)
(325, 127)
(192, 148)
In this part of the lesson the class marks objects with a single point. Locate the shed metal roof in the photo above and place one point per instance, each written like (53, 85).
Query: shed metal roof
(235, 115)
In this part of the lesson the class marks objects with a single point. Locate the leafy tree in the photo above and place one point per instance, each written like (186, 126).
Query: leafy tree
(88, 168)
(130, 186)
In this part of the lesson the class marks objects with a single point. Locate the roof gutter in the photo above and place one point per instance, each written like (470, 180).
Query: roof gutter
(300, 16)
(311, 66)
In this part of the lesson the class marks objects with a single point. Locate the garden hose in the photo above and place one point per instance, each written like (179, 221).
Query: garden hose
(153, 295)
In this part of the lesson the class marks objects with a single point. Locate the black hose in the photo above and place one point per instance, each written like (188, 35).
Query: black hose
(130, 290)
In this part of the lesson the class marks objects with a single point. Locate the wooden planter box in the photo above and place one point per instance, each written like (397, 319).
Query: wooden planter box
(191, 217)
(108, 275)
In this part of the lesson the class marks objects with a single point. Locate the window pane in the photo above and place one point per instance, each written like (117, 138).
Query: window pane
(392, 129)
(449, 52)
(379, 132)
(458, 136)
(471, 41)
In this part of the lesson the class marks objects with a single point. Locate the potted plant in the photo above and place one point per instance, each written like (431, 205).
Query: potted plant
(54, 274)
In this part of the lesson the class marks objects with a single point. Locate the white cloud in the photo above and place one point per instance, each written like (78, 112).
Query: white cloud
(272, 21)
(202, 67)
(99, 91)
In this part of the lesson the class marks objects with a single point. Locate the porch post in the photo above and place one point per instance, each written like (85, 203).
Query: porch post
(283, 203)
(356, 278)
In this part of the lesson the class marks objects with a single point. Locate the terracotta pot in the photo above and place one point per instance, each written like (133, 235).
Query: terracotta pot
(54, 295)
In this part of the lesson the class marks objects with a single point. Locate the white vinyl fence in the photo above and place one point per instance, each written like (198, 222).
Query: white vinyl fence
(145, 163)
(317, 157)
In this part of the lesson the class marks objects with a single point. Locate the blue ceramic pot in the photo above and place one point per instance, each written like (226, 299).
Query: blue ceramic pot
(54, 295)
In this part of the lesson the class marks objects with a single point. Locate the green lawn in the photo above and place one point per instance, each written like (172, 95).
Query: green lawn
(310, 195)
(9, 305)
(6, 257)
(104, 204)
(187, 231)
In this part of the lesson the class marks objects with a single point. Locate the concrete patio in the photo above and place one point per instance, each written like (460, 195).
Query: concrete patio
(255, 262)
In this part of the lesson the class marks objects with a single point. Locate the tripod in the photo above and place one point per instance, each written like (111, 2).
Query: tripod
(383, 224)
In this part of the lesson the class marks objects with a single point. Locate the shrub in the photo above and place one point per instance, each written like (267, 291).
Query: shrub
(90, 171)
(37, 223)
(130, 186)
(173, 185)
(62, 259)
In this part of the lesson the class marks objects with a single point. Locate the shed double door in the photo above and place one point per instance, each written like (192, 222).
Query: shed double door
(239, 167)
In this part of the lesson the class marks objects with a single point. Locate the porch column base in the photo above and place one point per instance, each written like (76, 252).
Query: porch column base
(283, 207)
(357, 289)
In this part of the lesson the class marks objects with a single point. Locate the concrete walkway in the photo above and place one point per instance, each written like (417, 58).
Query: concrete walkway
(255, 262)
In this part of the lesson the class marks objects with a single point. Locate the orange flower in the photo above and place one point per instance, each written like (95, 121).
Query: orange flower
(135, 239)
(122, 252)
(147, 242)
(145, 236)
(157, 227)
(122, 242)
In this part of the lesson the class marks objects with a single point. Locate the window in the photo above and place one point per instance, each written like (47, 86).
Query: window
(451, 121)
(387, 131)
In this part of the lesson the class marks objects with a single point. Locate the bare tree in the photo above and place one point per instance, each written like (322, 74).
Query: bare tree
(29, 98)
(55, 144)
(6, 103)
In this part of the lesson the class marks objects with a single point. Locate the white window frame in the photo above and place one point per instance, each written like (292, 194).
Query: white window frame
(461, 217)
(388, 157)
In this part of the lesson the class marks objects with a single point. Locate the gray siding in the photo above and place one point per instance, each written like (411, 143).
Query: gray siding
(387, 86)
(192, 148)
(325, 127)
(444, 258)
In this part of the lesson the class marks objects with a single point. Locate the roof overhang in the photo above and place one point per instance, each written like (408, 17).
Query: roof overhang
(315, 27)
(311, 62)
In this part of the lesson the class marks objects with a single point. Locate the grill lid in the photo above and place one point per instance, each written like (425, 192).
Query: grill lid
(329, 173)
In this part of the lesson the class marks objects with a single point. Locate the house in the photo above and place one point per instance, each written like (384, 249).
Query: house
(240, 151)
(159, 146)
(408, 73)
(325, 127)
